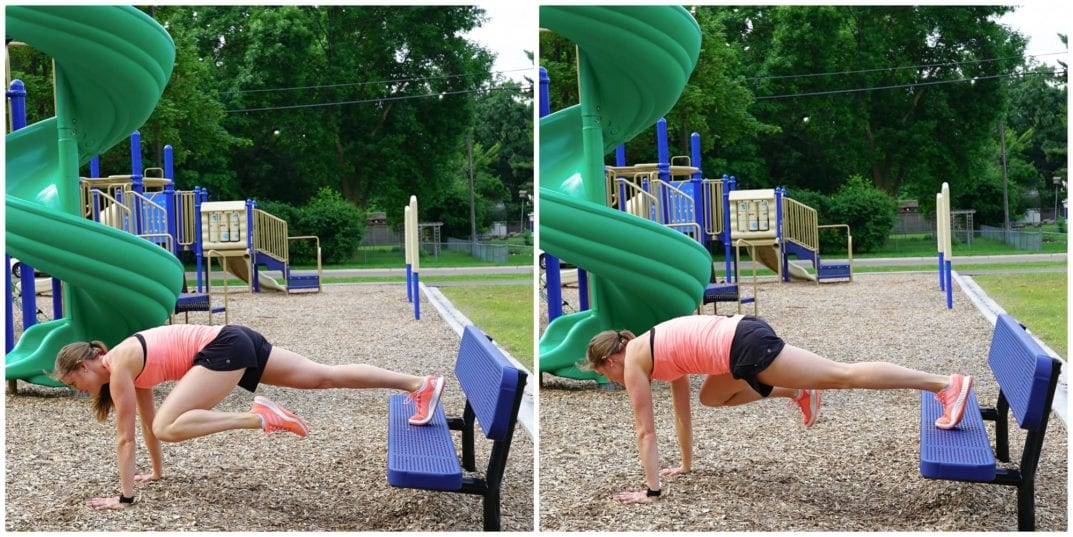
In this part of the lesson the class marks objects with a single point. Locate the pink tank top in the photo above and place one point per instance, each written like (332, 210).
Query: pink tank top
(692, 345)
(170, 351)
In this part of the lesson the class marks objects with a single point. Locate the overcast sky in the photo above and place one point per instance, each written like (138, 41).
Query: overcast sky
(510, 31)
(1041, 22)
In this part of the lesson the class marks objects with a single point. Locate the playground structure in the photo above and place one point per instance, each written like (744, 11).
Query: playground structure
(671, 194)
(104, 240)
(633, 64)
(102, 268)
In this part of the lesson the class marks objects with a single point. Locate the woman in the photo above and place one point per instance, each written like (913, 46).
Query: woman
(744, 362)
(208, 361)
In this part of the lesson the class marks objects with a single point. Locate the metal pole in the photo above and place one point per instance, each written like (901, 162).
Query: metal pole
(1005, 184)
(472, 207)
(552, 274)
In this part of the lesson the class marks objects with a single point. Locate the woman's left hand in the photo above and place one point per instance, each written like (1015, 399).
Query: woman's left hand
(667, 472)
(109, 502)
(635, 497)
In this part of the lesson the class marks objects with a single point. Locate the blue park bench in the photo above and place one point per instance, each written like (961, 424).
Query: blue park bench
(1027, 377)
(425, 457)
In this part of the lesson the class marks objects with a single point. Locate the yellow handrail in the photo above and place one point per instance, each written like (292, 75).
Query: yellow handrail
(110, 211)
(800, 224)
(712, 190)
(185, 210)
(270, 235)
(751, 247)
(849, 244)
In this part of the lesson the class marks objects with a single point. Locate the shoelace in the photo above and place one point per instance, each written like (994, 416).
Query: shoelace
(942, 395)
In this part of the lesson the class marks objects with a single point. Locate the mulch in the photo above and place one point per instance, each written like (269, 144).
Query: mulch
(57, 455)
(757, 468)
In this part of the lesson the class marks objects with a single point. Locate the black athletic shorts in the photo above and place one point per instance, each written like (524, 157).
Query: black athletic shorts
(237, 347)
(752, 350)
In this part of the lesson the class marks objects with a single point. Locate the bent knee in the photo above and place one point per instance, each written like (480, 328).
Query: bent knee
(164, 431)
(712, 400)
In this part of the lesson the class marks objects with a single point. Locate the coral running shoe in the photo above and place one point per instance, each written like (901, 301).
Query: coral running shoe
(953, 399)
(425, 399)
(809, 402)
(276, 418)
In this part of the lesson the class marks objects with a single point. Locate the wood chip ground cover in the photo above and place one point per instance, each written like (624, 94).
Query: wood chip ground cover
(756, 468)
(335, 479)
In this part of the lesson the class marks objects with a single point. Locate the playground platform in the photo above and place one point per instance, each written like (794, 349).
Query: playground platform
(334, 480)
(756, 468)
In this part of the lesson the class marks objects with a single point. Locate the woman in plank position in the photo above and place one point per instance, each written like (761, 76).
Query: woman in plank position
(744, 362)
(208, 362)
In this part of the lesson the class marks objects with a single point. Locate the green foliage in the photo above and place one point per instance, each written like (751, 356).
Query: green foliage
(868, 211)
(336, 221)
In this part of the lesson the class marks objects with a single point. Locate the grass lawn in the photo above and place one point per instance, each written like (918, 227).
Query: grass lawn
(504, 312)
(1038, 301)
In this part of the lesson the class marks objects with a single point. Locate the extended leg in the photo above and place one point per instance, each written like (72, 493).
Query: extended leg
(795, 367)
(290, 369)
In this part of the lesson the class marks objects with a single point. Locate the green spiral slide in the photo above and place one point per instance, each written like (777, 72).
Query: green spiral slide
(112, 64)
(633, 63)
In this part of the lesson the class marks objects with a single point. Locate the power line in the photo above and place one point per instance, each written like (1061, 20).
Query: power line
(877, 69)
(377, 100)
(372, 82)
(912, 85)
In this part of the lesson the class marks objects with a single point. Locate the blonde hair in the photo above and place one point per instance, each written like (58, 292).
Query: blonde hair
(70, 358)
(602, 346)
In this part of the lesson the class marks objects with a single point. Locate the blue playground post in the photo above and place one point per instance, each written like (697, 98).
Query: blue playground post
(942, 271)
(17, 94)
(250, 205)
(784, 261)
(9, 323)
(697, 180)
(201, 195)
(169, 199)
(136, 178)
(949, 287)
(551, 263)
(664, 166)
(95, 166)
(728, 186)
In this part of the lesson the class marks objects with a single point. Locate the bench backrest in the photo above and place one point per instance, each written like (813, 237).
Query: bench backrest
(1023, 371)
(490, 381)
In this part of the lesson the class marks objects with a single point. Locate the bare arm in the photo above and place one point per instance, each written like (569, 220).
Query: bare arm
(640, 389)
(122, 388)
(147, 412)
(683, 424)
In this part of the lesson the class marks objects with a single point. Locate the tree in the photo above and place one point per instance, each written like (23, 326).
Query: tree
(504, 119)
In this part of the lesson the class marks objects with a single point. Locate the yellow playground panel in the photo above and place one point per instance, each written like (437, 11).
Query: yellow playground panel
(226, 234)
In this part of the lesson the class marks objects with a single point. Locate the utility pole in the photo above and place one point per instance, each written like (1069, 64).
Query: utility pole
(1005, 183)
(472, 206)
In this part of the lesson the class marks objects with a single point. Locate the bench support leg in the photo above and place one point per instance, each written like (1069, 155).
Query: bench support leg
(1026, 505)
(491, 510)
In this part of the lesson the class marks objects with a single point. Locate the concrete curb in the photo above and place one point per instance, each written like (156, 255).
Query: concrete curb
(458, 322)
(991, 310)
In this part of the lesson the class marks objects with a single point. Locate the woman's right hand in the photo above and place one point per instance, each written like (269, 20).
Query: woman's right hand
(145, 478)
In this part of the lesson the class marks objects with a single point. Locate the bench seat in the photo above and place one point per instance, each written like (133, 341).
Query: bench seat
(420, 457)
(961, 454)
